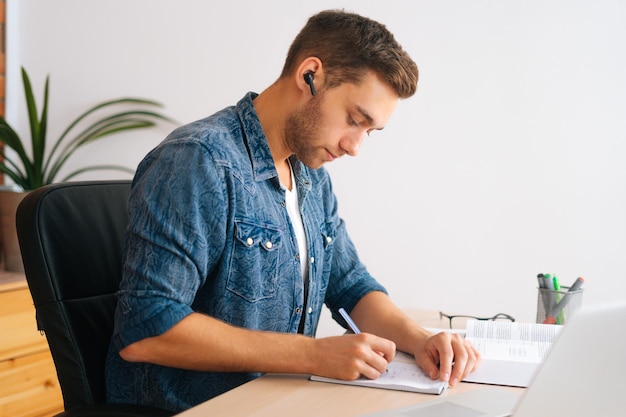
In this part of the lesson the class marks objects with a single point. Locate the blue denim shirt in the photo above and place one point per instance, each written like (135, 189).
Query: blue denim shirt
(209, 232)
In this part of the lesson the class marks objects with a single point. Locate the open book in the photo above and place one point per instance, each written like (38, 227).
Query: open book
(402, 374)
(511, 351)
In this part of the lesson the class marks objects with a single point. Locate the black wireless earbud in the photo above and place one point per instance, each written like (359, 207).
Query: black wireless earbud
(308, 78)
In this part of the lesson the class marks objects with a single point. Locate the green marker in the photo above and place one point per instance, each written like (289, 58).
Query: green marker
(557, 287)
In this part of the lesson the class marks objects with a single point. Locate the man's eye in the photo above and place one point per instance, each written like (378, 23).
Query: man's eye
(352, 122)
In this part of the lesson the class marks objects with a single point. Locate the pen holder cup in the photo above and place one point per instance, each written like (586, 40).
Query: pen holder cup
(557, 307)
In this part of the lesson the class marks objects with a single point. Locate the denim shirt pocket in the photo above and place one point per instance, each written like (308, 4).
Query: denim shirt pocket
(254, 268)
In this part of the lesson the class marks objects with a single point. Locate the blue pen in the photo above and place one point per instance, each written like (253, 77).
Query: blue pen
(352, 325)
(348, 319)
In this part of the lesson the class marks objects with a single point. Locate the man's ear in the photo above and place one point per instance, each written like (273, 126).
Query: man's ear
(310, 75)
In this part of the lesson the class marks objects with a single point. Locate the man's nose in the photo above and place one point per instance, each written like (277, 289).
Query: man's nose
(352, 144)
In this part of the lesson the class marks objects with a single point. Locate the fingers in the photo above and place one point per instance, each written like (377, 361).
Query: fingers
(374, 367)
(383, 347)
(466, 358)
(448, 357)
(358, 355)
(373, 355)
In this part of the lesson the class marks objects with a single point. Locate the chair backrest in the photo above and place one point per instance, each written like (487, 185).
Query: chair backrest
(71, 237)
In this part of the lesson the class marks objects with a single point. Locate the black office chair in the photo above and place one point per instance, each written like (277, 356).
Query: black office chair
(71, 239)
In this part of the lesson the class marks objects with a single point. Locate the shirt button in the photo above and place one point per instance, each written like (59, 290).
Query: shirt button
(329, 239)
(310, 310)
(268, 244)
(298, 310)
(312, 259)
(249, 241)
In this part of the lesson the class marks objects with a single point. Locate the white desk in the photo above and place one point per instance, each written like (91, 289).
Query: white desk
(294, 395)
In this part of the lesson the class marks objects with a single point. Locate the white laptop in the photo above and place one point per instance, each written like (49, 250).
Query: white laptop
(583, 375)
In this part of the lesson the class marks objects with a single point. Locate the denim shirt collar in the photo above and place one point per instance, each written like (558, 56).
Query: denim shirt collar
(263, 166)
(260, 155)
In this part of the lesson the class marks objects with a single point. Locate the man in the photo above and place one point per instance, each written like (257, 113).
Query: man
(235, 243)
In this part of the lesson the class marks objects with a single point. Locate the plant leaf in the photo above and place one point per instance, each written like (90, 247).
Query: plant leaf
(31, 106)
(11, 139)
(94, 131)
(102, 131)
(15, 173)
(39, 142)
(110, 103)
(98, 168)
(44, 166)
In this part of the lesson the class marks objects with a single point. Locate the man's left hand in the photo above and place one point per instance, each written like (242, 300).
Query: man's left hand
(447, 356)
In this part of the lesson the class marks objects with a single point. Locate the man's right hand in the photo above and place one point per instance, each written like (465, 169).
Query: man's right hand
(351, 356)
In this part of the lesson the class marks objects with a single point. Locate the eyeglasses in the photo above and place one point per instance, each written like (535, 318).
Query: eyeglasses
(460, 319)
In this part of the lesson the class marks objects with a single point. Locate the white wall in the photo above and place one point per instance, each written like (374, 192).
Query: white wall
(509, 161)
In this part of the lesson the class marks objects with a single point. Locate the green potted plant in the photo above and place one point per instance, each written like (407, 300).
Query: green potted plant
(30, 172)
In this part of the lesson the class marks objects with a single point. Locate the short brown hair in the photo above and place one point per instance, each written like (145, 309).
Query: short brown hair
(348, 46)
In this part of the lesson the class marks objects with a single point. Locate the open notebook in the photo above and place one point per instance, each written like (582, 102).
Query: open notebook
(403, 374)
(582, 376)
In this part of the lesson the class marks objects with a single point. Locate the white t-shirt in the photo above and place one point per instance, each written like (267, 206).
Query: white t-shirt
(293, 209)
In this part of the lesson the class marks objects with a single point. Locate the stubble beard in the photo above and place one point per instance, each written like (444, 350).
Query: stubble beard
(301, 131)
